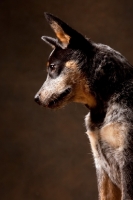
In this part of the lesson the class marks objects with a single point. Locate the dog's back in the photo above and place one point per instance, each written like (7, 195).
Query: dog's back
(82, 71)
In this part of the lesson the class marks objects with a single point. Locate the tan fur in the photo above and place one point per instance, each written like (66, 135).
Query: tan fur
(83, 95)
(61, 35)
(93, 136)
(107, 190)
(71, 64)
(112, 134)
(81, 91)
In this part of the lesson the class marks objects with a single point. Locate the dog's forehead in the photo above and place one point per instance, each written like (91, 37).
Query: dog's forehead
(59, 54)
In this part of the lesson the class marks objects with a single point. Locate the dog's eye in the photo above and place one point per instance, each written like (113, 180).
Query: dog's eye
(52, 67)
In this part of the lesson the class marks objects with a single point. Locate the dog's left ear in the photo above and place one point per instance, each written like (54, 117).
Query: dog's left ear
(63, 32)
(49, 40)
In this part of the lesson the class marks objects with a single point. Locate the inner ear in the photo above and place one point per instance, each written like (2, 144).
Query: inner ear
(60, 29)
(60, 34)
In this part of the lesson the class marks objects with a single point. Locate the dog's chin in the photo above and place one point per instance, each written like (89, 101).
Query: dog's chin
(59, 101)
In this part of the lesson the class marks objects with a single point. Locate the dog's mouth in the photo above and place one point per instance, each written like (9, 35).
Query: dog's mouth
(55, 102)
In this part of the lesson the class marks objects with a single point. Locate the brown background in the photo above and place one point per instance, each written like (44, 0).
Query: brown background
(45, 155)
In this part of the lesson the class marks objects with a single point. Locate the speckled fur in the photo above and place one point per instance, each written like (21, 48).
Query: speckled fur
(96, 75)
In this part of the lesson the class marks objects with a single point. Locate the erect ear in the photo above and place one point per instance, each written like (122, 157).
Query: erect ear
(63, 32)
(49, 40)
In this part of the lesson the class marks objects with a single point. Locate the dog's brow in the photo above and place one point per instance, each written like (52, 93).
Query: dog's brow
(71, 64)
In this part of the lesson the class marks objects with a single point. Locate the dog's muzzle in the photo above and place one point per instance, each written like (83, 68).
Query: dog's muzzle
(53, 100)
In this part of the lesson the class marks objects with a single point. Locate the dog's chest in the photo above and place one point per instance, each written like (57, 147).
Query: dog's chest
(106, 143)
(105, 157)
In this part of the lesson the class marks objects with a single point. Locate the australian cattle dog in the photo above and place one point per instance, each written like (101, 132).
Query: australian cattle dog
(80, 70)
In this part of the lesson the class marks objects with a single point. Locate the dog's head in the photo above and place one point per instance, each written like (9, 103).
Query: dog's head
(66, 80)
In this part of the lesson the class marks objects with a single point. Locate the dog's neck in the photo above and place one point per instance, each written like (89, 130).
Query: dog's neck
(97, 115)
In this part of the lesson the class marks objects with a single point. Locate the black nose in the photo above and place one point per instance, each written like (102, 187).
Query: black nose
(37, 99)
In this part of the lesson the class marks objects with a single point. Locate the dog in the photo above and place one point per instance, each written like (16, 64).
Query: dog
(80, 70)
